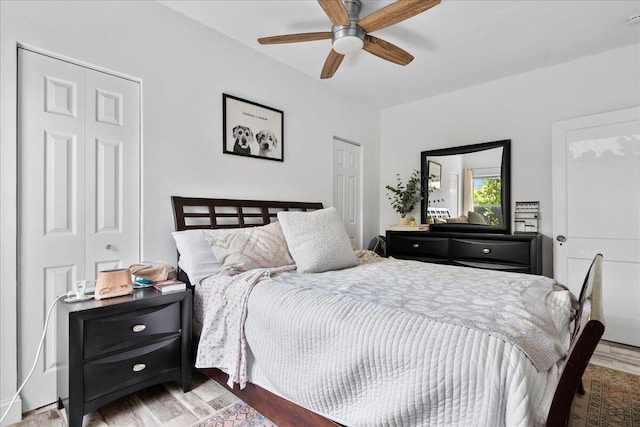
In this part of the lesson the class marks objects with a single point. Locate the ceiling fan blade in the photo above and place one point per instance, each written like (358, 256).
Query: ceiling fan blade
(336, 11)
(385, 50)
(294, 38)
(394, 13)
(331, 64)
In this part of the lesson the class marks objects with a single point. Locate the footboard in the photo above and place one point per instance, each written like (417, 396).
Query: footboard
(588, 329)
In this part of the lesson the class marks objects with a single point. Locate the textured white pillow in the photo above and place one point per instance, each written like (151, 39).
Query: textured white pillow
(196, 258)
(261, 247)
(317, 240)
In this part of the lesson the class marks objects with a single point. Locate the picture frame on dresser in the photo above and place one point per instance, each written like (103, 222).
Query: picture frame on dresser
(251, 129)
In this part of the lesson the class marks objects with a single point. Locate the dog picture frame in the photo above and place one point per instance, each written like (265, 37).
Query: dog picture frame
(252, 130)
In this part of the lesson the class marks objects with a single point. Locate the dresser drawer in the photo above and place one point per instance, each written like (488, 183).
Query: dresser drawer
(420, 246)
(111, 373)
(511, 252)
(113, 333)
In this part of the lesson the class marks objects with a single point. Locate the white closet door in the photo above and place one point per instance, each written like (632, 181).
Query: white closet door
(61, 164)
(113, 205)
(346, 187)
(51, 200)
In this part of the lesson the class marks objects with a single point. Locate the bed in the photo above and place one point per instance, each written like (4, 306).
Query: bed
(465, 374)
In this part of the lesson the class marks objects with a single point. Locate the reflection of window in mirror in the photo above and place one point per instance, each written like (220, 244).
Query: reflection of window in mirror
(487, 195)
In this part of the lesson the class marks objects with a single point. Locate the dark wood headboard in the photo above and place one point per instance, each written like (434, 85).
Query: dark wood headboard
(195, 212)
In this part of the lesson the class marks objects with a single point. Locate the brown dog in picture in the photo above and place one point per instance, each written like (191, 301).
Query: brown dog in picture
(267, 142)
(243, 137)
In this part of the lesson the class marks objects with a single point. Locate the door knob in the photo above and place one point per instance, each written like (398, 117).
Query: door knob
(561, 238)
(108, 247)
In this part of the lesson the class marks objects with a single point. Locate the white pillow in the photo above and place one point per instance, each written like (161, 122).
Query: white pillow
(196, 258)
(475, 218)
(261, 247)
(317, 240)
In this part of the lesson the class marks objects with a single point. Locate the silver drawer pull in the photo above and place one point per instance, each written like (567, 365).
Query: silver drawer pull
(486, 251)
(416, 246)
(139, 367)
(139, 328)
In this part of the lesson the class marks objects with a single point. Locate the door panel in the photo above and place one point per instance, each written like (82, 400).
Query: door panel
(596, 206)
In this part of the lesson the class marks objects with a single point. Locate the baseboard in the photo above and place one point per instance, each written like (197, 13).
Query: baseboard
(14, 415)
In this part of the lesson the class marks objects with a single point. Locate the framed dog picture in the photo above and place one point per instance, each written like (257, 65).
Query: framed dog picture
(251, 129)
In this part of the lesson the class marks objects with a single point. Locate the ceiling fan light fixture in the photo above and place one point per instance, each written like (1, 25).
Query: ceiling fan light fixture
(348, 44)
(347, 38)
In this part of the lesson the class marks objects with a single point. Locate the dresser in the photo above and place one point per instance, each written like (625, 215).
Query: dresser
(506, 252)
(112, 347)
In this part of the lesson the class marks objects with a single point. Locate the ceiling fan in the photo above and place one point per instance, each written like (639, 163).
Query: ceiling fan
(349, 33)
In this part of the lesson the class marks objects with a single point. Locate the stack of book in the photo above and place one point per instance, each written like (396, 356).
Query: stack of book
(169, 285)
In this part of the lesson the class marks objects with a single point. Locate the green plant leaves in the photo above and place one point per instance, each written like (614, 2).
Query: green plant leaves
(403, 197)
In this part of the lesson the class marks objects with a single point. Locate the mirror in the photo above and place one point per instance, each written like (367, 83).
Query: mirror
(467, 188)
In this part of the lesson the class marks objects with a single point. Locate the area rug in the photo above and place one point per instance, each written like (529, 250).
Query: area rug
(612, 399)
(237, 415)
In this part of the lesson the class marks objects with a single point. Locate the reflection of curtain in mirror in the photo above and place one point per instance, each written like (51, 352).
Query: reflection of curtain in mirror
(467, 191)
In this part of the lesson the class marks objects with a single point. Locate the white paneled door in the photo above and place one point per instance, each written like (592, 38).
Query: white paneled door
(79, 186)
(346, 187)
(596, 209)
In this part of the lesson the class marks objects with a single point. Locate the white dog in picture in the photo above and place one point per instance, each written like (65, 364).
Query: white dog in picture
(267, 143)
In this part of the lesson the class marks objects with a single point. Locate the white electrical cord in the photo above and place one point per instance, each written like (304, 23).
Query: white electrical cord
(35, 362)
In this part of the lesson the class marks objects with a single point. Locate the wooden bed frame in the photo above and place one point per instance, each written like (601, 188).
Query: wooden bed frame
(197, 213)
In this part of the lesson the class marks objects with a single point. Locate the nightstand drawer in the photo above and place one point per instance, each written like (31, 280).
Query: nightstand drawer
(432, 247)
(113, 333)
(491, 251)
(108, 374)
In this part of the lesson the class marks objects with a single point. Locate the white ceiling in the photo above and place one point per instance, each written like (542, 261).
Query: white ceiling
(457, 44)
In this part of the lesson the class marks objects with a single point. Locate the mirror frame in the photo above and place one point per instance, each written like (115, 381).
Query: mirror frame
(505, 180)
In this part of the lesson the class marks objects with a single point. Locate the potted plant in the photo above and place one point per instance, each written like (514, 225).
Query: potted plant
(403, 198)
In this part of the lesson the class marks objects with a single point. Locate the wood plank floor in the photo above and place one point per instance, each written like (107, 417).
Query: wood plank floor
(167, 405)
(617, 356)
(160, 405)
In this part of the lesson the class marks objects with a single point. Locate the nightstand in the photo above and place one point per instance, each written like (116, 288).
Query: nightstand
(109, 348)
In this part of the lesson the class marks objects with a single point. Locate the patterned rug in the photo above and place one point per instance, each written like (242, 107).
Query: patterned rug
(612, 399)
(237, 415)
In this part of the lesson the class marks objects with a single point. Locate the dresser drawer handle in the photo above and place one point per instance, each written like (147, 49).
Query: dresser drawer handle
(486, 251)
(416, 246)
(139, 328)
(139, 367)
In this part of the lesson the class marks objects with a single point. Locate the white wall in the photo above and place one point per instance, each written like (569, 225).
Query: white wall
(185, 67)
(521, 108)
